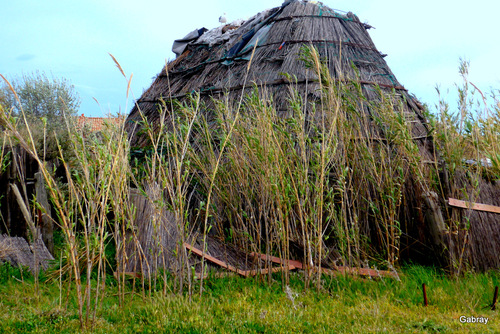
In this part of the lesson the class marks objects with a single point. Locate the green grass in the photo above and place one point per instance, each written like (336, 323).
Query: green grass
(237, 305)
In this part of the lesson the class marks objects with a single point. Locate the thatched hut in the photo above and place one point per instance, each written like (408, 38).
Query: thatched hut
(215, 64)
(230, 60)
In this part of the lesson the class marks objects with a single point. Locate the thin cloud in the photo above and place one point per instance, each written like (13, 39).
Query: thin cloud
(25, 57)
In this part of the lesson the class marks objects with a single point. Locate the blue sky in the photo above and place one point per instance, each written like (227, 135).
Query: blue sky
(424, 41)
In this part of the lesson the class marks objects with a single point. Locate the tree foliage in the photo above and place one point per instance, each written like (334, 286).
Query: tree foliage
(41, 96)
(49, 105)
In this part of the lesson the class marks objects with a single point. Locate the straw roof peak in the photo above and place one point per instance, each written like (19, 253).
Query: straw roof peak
(215, 62)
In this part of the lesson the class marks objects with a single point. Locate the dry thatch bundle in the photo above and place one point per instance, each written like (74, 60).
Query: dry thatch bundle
(151, 243)
(18, 252)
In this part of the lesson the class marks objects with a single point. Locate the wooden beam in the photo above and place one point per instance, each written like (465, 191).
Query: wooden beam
(294, 263)
(24, 210)
(224, 274)
(473, 206)
(245, 273)
(339, 270)
(266, 271)
(213, 259)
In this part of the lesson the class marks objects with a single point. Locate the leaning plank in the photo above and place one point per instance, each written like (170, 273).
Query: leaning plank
(24, 210)
(339, 269)
(245, 273)
(266, 271)
(291, 266)
(294, 263)
(213, 259)
(473, 206)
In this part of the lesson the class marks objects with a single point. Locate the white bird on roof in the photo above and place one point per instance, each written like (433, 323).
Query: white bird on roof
(223, 19)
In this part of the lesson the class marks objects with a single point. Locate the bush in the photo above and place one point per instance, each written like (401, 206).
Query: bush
(47, 104)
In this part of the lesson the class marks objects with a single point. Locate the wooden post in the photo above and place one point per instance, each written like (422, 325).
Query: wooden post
(425, 295)
(45, 221)
(495, 296)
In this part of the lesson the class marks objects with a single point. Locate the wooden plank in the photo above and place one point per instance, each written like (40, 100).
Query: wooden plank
(245, 273)
(45, 220)
(473, 206)
(294, 263)
(24, 210)
(266, 271)
(213, 259)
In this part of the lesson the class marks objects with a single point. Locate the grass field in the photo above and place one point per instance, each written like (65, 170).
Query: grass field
(237, 305)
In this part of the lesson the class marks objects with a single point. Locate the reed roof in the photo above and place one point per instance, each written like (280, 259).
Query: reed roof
(218, 66)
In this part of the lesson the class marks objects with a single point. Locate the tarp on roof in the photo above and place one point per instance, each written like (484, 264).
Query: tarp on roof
(180, 44)
(258, 39)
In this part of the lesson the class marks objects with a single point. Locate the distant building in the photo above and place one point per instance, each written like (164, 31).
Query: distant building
(96, 124)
